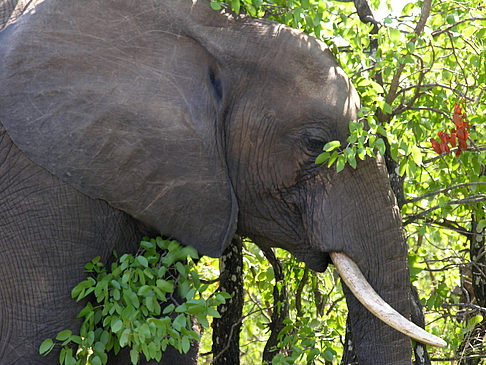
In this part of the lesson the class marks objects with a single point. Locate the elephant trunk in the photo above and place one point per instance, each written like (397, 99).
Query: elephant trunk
(356, 214)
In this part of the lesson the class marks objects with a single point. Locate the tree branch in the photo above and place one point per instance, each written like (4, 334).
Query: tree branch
(430, 109)
(441, 191)
(438, 32)
(431, 86)
(298, 293)
(392, 92)
(469, 200)
(478, 149)
(280, 306)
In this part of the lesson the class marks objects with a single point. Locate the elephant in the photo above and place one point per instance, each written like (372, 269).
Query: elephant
(124, 118)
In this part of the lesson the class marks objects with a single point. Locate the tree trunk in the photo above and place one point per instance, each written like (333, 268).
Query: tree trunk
(280, 307)
(473, 341)
(226, 330)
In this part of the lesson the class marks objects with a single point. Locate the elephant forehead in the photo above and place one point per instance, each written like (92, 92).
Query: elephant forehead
(332, 91)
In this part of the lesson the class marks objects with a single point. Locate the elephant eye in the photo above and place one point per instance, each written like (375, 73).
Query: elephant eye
(314, 144)
(216, 85)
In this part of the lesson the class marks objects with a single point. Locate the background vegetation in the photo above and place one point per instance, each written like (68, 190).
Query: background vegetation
(412, 69)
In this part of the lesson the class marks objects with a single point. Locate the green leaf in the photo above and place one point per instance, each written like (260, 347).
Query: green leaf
(387, 108)
(131, 298)
(63, 335)
(179, 322)
(471, 323)
(134, 355)
(481, 225)
(341, 162)
(411, 47)
(416, 155)
(351, 157)
(116, 325)
(95, 360)
(380, 145)
(394, 35)
(215, 5)
(186, 344)
(142, 260)
(328, 355)
(46, 346)
(323, 157)
(213, 313)
(377, 87)
(402, 167)
(165, 286)
(333, 158)
(169, 309)
(124, 337)
(147, 245)
(235, 5)
(330, 146)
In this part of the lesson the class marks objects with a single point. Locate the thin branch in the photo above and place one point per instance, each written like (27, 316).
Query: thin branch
(228, 343)
(430, 109)
(470, 200)
(453, 226)
(457, 59)
(479, 149)
(300, 288)
(458, 358)
(441, 191)
(431, 86)
(333, 304)
(209, 282)
(417, 93)
(392, 93)
(438, 32)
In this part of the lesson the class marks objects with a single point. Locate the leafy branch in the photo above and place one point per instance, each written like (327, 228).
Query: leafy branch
(134, 306)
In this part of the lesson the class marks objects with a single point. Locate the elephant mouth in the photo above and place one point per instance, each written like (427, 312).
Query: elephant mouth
(369, 298)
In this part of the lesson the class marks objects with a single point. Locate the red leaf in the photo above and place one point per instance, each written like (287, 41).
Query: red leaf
(462, 144)
(461, 133)
(435, 146)
(444, 147)
(453, 139)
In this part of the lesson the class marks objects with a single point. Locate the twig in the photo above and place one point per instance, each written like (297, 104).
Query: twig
(432, 110)
(431, 86)
(333, 304)
(298, 293)
(479, 149)
(392, 93)
(417, 92)
(228, 343)
(458, 358)
(408, 201)
(470, 200)
(438, 32)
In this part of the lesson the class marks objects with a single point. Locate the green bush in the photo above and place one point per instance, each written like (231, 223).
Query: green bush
(146, 302)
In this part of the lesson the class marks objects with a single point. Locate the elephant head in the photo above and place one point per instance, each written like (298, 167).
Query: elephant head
(202, 125)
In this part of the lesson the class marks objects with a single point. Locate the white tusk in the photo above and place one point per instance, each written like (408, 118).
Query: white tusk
(362, 290)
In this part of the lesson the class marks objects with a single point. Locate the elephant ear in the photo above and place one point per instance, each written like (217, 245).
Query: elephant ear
(123, 113)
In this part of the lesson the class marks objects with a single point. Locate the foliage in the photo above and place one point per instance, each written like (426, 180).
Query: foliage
(412, 70)
(146, 302)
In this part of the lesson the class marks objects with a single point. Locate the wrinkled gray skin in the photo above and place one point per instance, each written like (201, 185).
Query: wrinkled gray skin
(124, 117)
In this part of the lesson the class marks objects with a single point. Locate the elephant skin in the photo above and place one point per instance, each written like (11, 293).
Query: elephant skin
(125, 117)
